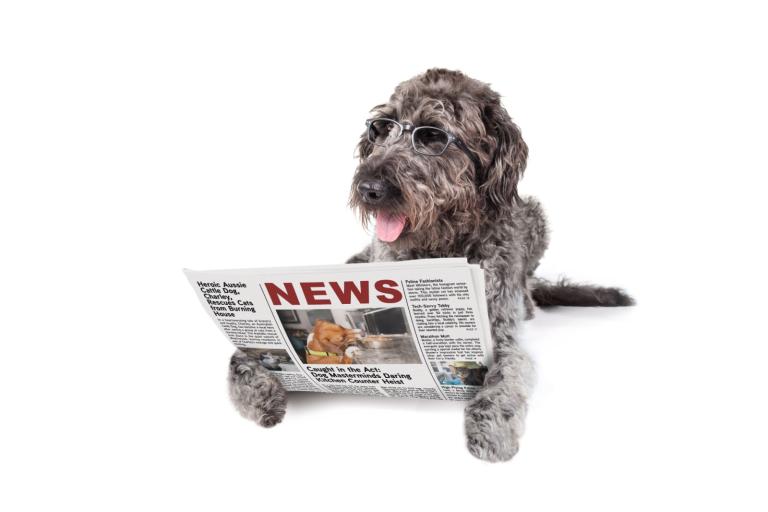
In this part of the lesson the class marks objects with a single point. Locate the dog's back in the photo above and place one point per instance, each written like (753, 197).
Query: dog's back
(531, 224)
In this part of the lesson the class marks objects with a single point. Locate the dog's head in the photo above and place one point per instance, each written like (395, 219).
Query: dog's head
(333, 334)
(421, 200)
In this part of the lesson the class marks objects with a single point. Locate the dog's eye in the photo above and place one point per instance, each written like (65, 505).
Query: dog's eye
(430, 141)
(381, 130)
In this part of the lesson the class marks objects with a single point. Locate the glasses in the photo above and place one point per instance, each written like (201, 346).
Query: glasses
(426, 140)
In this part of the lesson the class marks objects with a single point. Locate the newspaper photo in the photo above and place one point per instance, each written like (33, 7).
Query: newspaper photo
(412, 329)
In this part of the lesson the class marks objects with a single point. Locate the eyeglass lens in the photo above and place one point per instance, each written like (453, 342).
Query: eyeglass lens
(426, 139)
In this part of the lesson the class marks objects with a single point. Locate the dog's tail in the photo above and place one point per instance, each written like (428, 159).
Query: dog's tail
(565, 293)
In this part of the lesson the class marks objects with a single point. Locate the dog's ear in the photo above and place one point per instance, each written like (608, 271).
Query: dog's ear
(509, 157)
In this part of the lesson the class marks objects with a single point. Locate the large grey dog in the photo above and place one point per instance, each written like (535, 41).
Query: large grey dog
(439, 167)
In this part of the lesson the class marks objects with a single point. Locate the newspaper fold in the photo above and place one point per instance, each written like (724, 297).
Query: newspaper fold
(413, 329)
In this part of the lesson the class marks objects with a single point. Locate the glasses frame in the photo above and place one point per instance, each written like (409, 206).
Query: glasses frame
(408, 127)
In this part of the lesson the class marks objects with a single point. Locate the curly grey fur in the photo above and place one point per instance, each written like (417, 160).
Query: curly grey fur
(256, 393)
(454, 208)
(565, 293)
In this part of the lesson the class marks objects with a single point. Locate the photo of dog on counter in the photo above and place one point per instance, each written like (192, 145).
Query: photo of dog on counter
(350, 336)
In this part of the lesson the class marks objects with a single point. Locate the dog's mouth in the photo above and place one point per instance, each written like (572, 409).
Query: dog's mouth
(389, 226)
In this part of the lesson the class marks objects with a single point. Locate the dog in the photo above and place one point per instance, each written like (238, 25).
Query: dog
(439, 165)
(330, 344)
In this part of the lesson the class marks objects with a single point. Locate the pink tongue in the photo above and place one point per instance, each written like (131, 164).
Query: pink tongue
(389, 227)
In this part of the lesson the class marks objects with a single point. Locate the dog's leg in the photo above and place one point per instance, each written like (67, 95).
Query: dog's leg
(363, 256)
(256, 393)
(495, 418)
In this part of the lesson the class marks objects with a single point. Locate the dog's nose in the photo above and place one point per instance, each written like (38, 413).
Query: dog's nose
(372, 191)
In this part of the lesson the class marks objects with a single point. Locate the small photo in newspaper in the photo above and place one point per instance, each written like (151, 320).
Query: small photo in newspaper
(459, 373)
(273, 359)
(350, 336)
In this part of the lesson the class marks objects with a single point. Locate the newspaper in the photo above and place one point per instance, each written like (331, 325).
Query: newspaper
(413, 329)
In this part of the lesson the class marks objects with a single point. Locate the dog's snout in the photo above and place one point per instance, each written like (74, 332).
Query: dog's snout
(373, 191)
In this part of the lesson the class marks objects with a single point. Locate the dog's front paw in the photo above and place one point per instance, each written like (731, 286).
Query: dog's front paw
(256, 394)
(493, 426)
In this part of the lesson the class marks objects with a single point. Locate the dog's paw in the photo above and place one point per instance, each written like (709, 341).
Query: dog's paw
(492, 426)
(270, 411)
(256, 394)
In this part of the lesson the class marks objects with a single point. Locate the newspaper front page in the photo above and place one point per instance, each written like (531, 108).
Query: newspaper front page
(413, 329)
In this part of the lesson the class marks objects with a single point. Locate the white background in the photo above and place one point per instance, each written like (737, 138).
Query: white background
(137, 138)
